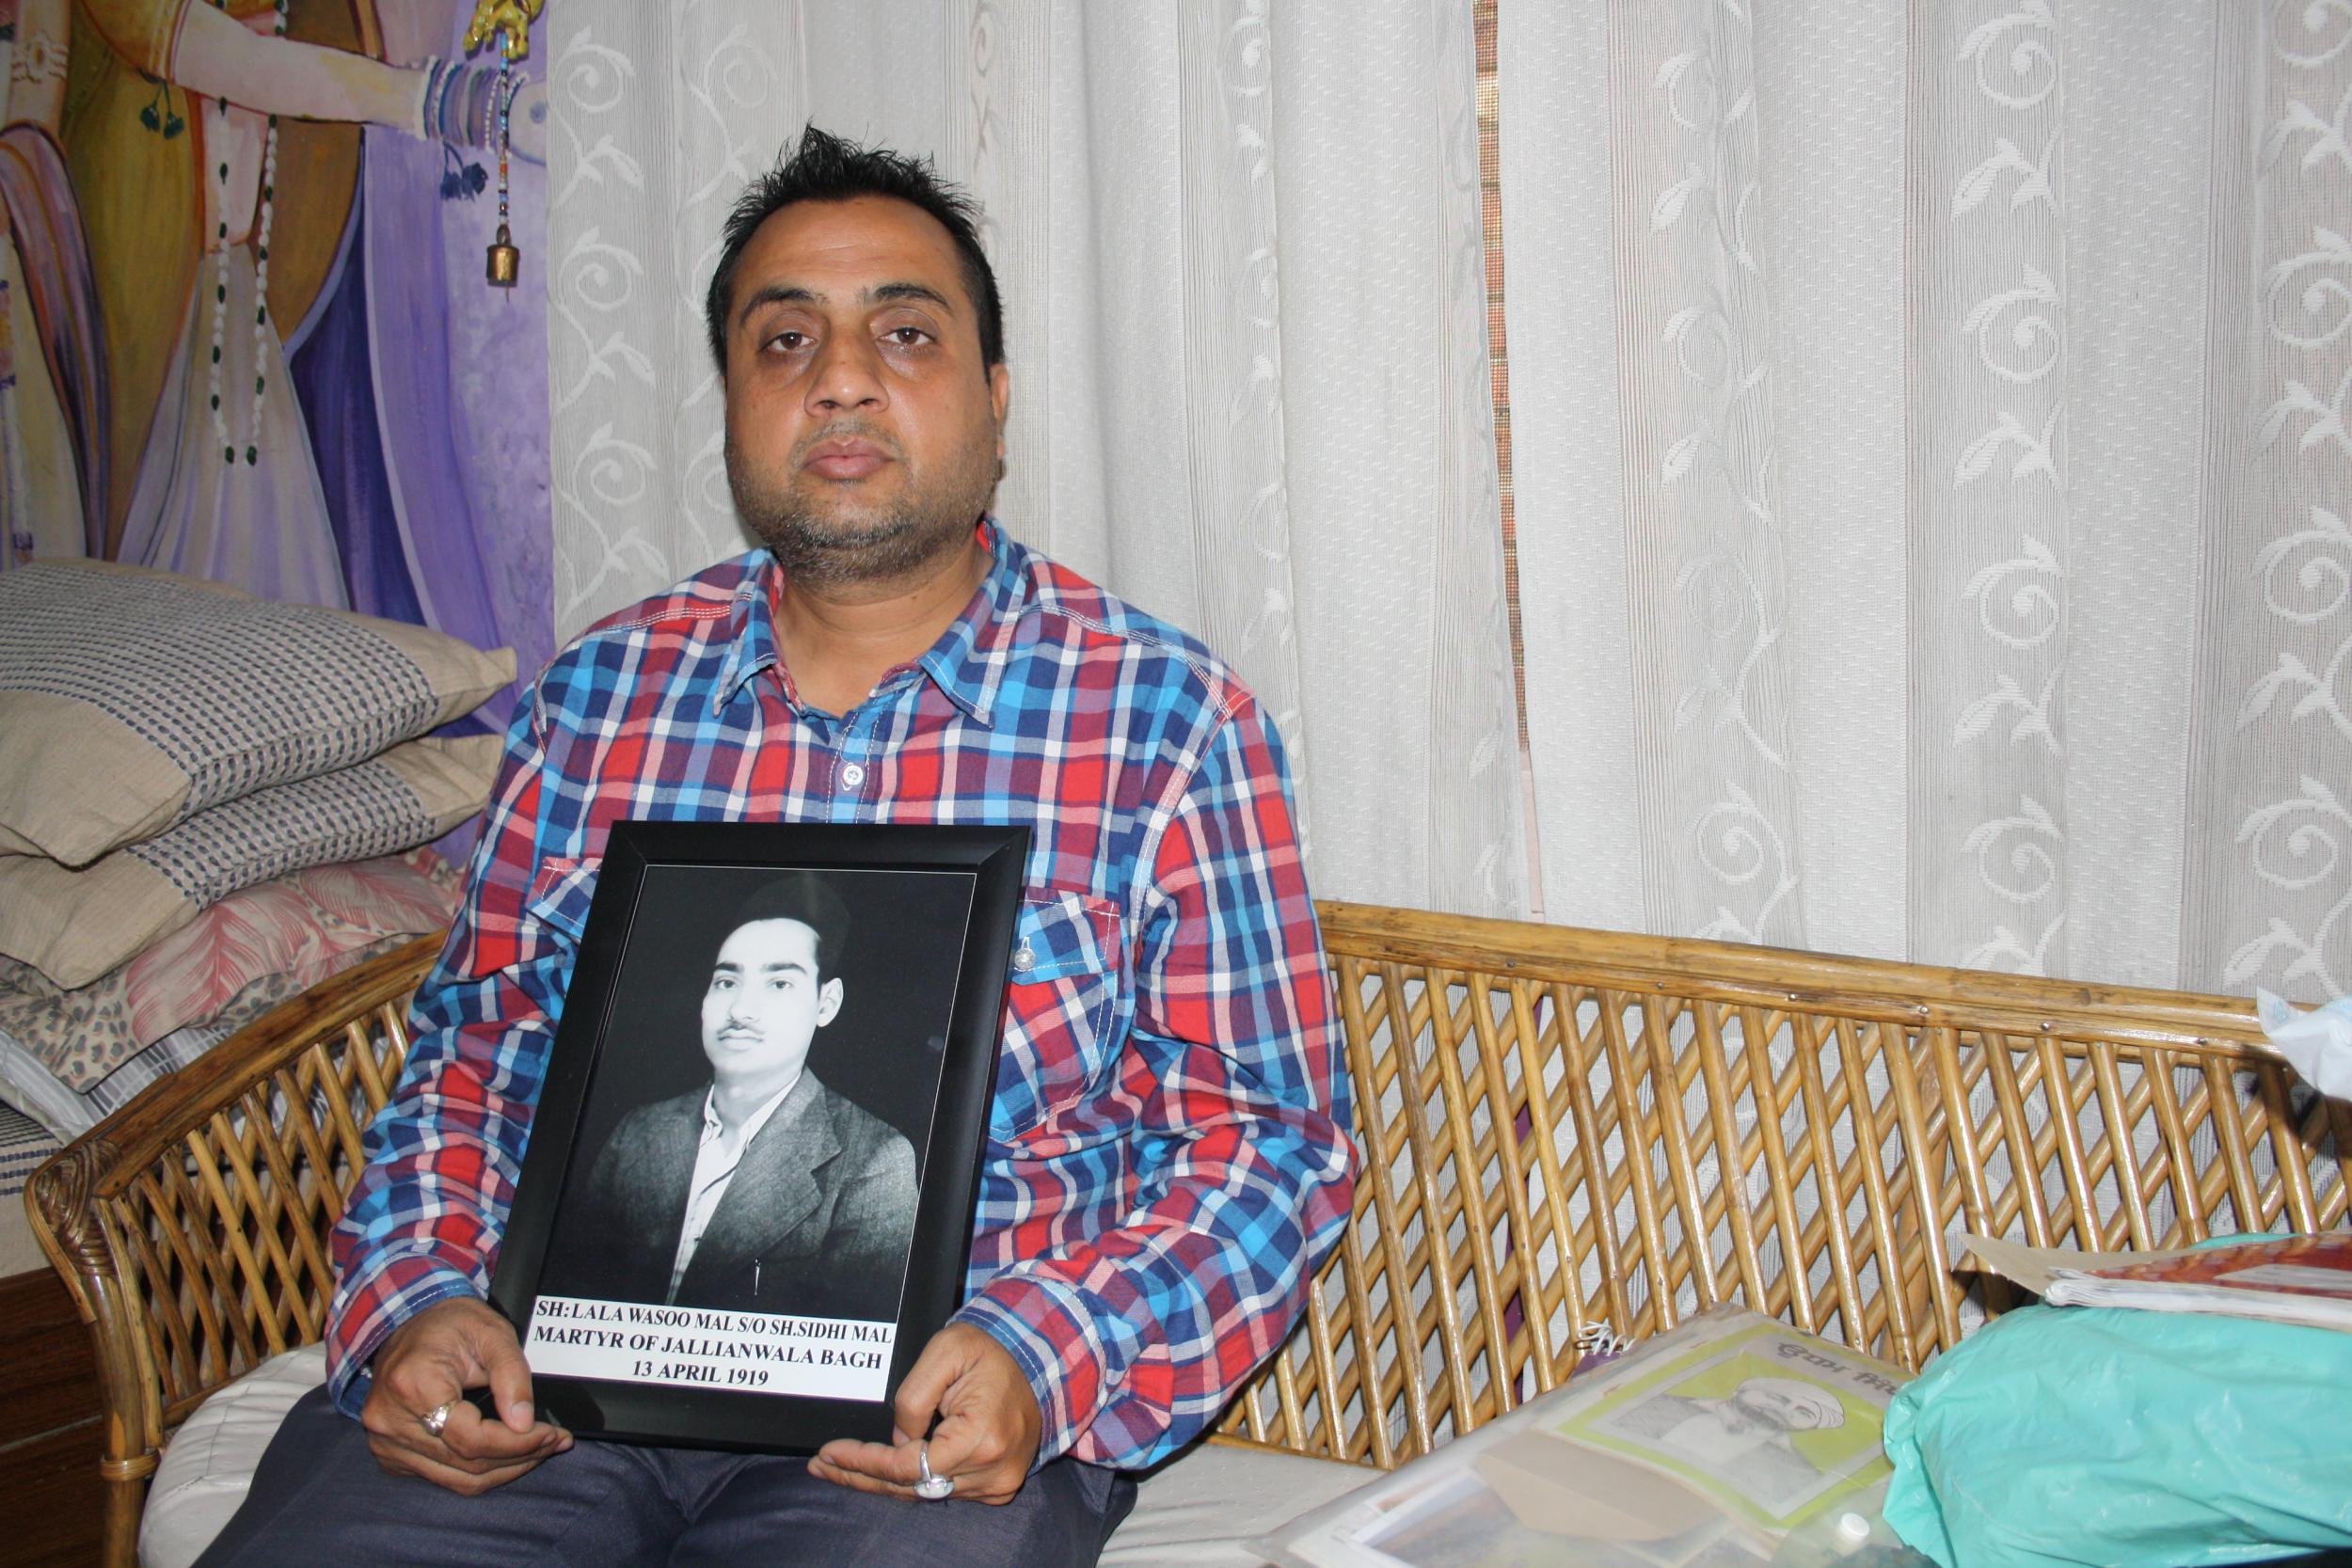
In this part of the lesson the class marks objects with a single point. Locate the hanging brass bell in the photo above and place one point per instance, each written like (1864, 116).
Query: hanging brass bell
(506, 263)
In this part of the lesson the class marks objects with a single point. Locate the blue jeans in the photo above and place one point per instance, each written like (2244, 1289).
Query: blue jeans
(320, 1498)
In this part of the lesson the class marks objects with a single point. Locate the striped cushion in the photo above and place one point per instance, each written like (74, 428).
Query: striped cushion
(75, 926)
(32, 1091)
(133, 699)
(23, 1145)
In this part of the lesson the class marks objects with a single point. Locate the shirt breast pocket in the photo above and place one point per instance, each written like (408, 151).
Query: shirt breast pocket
(1060, 1008)
(561, 892)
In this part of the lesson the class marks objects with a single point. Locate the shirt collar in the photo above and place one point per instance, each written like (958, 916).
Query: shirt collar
(967, 663)
(713, 1126)
(751, 628)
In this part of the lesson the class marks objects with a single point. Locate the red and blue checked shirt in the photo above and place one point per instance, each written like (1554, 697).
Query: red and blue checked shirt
(1166, 1153)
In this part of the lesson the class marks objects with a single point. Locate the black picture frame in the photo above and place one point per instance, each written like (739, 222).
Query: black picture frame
(931, 914)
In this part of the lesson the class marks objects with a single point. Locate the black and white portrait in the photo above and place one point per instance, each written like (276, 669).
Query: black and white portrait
(1743, 1437)
(750, 1140)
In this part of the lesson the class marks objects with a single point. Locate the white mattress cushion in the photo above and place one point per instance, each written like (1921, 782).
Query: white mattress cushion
(208, 1463)
(1194, 1513)
(1198, 1511)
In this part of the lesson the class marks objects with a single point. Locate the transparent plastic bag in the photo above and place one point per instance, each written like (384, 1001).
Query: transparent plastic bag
(1703, 1448)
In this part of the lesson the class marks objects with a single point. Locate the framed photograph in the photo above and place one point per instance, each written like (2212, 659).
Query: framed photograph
(746, 1203)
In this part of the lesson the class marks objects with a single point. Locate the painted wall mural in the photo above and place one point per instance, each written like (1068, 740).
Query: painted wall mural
(248, 333)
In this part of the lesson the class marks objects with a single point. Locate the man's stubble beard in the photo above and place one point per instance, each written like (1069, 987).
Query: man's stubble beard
(824, 550)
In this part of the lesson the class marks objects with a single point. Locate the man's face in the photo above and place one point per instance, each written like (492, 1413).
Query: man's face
(1775, 1409)
(764, 1004)
(863, 433)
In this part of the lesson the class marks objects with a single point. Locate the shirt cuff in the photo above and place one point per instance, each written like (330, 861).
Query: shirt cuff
(1055, 1332)
(405, 1287)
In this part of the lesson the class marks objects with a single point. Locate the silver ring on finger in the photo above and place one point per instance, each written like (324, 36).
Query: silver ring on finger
(436, 1418)
(931, 1488)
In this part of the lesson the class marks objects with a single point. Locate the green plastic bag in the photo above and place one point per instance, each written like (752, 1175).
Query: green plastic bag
(2127, 1439)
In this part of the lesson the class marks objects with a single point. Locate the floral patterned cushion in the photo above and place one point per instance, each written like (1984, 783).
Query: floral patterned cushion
(234, 962)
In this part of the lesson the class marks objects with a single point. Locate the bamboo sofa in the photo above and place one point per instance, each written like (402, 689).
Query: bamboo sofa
(1560, 1127)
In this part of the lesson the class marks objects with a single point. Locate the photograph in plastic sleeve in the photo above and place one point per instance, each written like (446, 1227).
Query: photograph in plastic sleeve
(1466, 1522)
(1768, 1422)
(1700, 1450)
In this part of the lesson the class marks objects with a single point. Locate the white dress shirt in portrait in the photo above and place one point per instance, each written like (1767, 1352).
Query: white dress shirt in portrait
(715, 1161)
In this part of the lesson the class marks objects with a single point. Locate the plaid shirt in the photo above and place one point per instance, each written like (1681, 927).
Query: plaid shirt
(1166, 1153)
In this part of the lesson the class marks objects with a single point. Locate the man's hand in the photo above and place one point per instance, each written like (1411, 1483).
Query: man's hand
(431, 1360)
(988, 1424)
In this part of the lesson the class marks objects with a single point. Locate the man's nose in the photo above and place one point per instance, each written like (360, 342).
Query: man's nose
(847, 376)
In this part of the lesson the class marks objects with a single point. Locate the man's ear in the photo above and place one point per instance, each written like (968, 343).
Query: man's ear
(828, 1001)
(999, 401)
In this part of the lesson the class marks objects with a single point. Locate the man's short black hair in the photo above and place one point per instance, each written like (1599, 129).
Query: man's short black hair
(804, 896)
(826, 168)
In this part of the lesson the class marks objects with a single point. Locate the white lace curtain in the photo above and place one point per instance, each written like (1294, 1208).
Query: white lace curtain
(1240, 253)
(1931, 471)
(1929, 425)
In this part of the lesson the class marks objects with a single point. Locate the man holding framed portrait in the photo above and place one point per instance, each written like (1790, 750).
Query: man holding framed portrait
(1166, 1155)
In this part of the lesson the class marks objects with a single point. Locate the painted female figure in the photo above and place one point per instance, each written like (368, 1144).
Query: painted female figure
(215, 148)
(52, 359)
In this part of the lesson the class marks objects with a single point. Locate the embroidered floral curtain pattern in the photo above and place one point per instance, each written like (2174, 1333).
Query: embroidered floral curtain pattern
(1929, 445)
(1240, 251)
(1928, 426)
(2277, 551)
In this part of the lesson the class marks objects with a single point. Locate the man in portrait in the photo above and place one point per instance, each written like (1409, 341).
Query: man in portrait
(764, 1190)
(1743, 1440)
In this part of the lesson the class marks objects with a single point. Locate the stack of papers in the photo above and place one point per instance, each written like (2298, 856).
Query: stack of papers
(2292, 1279)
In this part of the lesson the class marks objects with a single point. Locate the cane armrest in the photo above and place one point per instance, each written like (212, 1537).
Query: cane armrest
(191, 1226)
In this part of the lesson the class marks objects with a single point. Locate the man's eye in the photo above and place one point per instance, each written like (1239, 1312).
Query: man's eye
(908, 337)
(791, 343)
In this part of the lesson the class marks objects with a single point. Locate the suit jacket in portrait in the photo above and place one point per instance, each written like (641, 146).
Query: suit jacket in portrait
(816, 1221)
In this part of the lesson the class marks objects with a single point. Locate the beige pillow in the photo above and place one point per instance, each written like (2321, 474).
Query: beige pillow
(75, 926)
(134, 699)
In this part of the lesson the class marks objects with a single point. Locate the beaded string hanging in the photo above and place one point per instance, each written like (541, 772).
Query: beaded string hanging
(504, 265)
(506, 24)
(260, 276)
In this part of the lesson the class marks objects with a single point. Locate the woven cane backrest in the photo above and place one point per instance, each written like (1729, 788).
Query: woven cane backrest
(1569, 1128)
(214, 1193)
(1560, 1129)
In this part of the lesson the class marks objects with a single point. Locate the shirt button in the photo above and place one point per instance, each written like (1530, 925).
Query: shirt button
(852, 776)
(1023, 960)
